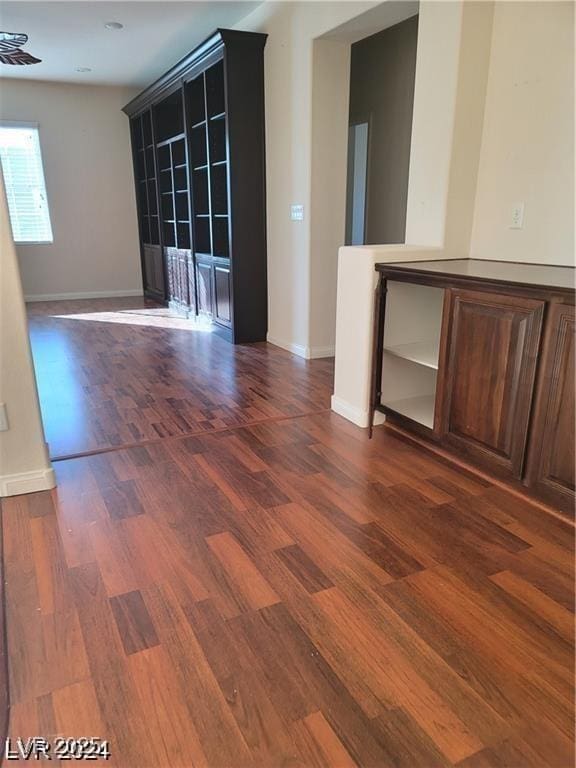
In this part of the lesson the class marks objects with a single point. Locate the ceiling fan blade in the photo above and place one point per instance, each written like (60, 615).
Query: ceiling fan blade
(11, 41)
(18, 57)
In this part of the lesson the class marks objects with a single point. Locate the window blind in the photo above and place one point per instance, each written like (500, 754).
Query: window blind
(25, 187)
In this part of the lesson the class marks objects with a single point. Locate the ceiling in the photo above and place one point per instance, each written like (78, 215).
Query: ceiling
(69, 35)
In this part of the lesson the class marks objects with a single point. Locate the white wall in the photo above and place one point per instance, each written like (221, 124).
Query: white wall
(288, 60)
(331, 72)
(24, 463)
(85, 144)
(528, 138)
(506, 133)
(451, 73)
(464, 151)
(437, 55)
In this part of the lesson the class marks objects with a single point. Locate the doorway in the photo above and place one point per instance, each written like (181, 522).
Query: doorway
(382, 76)
(358, 138)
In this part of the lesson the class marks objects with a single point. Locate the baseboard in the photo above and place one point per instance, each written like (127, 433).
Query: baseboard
(84, 295)
(27, 482)
(356, 415)
(316, 352)
(309, 353)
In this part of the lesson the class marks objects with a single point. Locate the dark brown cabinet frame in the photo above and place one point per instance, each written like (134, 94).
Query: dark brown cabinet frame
(228, 70)
(533, 446)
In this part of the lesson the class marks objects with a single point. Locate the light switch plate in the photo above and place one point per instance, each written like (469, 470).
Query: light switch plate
(517, 217)
(297, 212)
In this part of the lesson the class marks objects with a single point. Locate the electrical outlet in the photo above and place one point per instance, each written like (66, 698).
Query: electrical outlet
(3, 418)
(517, 218)
(297, 212)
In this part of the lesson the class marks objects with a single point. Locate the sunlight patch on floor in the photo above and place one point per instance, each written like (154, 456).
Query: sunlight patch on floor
(155, 318)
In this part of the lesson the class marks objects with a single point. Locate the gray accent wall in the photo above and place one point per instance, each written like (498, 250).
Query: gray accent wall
(383, 68)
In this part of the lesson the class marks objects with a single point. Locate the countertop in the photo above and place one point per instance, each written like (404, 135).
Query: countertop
(479, 270)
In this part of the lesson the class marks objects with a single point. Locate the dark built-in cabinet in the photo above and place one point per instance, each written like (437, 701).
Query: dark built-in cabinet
(199, 166)
(478, 357)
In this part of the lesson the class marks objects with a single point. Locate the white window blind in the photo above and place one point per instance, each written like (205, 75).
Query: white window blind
(24, 180)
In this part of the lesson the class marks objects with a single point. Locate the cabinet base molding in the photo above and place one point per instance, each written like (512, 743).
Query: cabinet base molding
(513, 487)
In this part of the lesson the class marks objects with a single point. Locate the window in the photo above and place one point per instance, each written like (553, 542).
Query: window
(24, 179)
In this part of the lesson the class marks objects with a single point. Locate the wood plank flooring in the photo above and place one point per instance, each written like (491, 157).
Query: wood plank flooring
(115, 372)
(286, 593)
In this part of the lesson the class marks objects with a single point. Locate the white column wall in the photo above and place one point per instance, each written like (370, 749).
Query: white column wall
(24, 463)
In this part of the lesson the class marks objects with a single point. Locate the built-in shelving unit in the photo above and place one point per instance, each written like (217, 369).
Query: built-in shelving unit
(173, 172)
(207, 142)
(147, 198)
(145, 171)
(411, 350)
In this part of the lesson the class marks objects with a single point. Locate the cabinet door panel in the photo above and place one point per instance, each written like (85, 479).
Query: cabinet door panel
(159, 271)
(204, 288)
(183, 277)
(222, 294)
(153, 271)
(191, 282)
(552, 459)
(492, 346)
(149, 279)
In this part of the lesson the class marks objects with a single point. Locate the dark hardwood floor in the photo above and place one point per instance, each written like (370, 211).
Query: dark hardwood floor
(115, 372)
(282, 593)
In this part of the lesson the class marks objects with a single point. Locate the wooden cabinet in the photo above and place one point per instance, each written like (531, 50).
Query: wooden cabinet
(491, 350)
(552, 458)
(204, 288)
(153, 271)
(478, 357)
(222, 308)
(199, 163)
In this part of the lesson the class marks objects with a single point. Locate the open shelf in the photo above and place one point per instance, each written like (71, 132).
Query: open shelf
(174, 197)
(421, 352)
(215, 90)
(147, 129)
(169, 118)
(195, 100)
(202, 240)
(411, 350)
(145, 173)
(217, 141)
(220, 237)
(419, 408)
(198, 146)
(219, 190)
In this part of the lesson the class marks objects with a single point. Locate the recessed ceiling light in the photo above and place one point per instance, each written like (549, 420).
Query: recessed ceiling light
(113, 25)
(83, 69)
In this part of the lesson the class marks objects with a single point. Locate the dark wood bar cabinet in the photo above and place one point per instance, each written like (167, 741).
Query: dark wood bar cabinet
(478, 357)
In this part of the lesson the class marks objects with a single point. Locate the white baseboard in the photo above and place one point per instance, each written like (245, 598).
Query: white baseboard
(27, 482)
(316, 352)
(84, 295)
(309, 353)
(354, 414)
